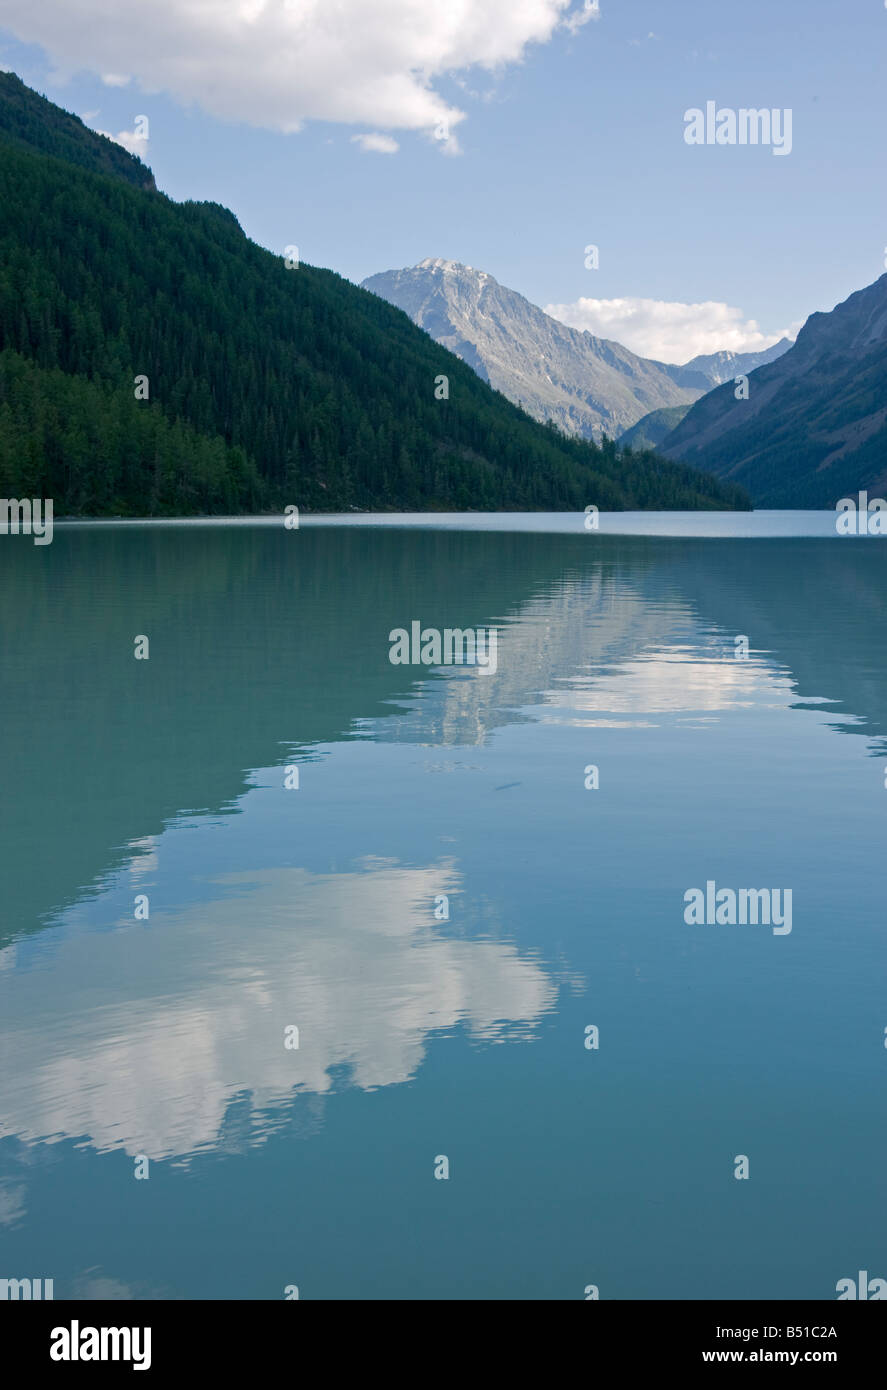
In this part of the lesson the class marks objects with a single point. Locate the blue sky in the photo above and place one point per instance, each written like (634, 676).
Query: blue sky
(569, 134)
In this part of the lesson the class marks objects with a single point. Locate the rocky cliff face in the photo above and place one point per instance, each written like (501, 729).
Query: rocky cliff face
(588, 386)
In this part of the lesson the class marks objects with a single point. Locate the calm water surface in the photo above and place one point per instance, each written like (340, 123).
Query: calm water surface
(419, 1035)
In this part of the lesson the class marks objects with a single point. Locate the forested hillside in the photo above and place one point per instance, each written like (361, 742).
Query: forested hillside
(31, 121)
(266, 385)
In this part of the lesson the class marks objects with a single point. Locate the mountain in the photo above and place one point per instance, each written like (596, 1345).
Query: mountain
(651, 429)
(719, 367)
(266, 385)
(588, 386)
(814, 426)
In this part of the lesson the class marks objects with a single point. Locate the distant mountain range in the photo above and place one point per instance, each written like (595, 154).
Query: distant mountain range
(719, 367)
(813, 429)
(155, 361)
(814, 426)
(587, 385)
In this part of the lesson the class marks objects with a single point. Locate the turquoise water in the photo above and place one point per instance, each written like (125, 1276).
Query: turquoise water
(420, 1034)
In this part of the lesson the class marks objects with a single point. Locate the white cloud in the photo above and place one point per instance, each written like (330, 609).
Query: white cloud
(114, 79)
(591, 9)
(278, 63)
(666, 330)
(374, 143)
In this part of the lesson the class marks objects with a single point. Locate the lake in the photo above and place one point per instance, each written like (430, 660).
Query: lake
(375, 980)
